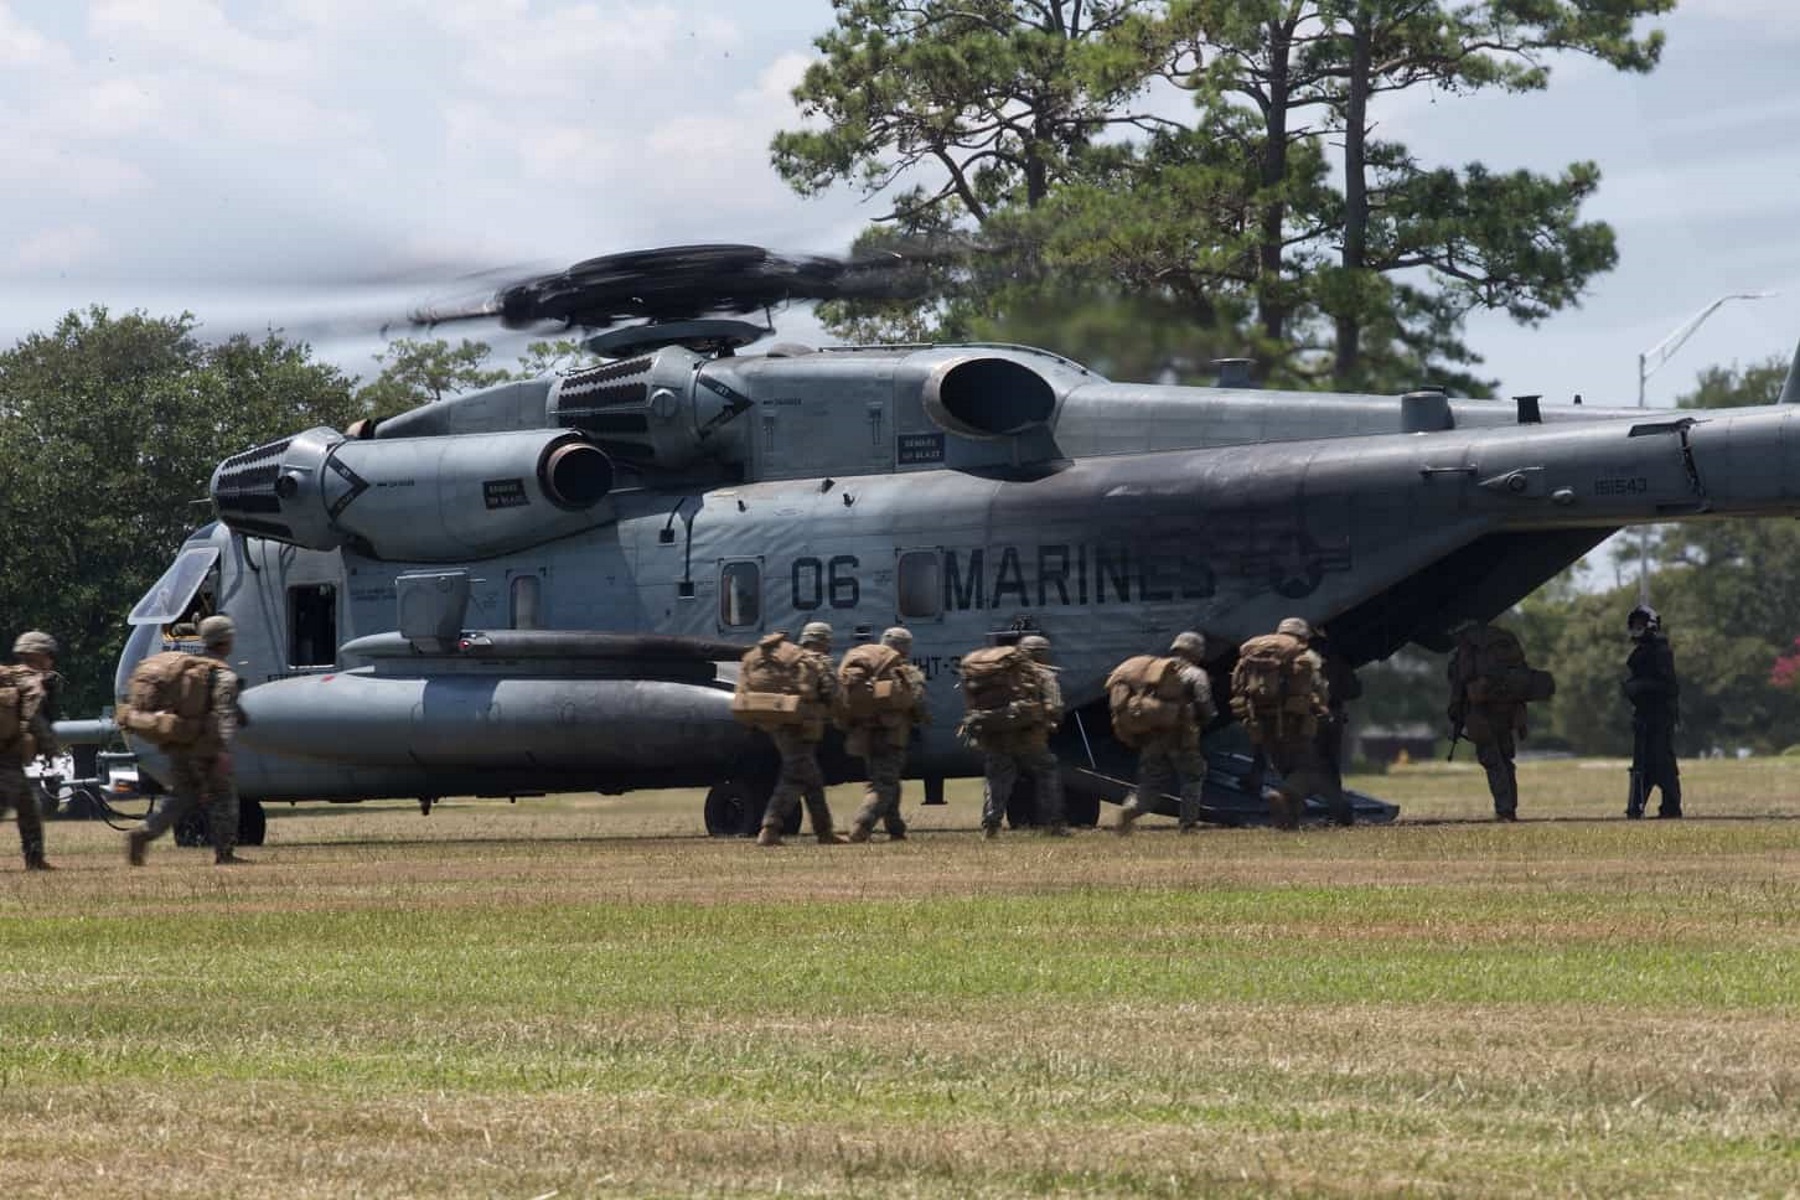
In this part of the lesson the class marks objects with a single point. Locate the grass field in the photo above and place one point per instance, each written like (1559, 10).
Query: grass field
(581, 997)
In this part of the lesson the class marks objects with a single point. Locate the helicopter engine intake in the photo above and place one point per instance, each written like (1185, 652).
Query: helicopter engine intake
(425, 499)
(987, 396)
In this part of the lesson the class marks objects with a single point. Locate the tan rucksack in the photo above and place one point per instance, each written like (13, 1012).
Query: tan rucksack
(1275, 683)
(777, 687)
(1492, 669)
(169, 699)
(20, 697)
(872, 684)
(1000, 692)
(1147, 697)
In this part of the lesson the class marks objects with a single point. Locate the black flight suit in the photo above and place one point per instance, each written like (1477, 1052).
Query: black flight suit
(1652, 688)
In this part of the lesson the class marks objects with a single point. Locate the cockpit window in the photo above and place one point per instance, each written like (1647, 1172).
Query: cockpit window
(168, 601)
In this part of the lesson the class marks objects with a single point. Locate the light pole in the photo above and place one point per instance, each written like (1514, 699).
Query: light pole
(1651, 361)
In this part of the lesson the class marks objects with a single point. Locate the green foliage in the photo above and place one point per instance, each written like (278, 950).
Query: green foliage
(553, 358)
(1734, 386)
(415, 373)
(109, 430)
(1274, 213)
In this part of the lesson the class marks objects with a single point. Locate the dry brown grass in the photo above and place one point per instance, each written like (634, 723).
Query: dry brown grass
(579, 996)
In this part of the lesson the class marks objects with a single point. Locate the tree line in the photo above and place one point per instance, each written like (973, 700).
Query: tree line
(1153, 183)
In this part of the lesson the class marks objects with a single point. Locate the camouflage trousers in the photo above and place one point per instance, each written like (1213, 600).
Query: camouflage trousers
(800, 779)
(881, 799)
(1164, 766)
(1003, 768)
(20, 794)
(1303, 773)
(1495, 754)
(197, 783)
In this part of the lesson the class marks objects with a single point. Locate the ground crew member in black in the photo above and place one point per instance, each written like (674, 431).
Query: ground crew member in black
(31, 680)
(1651, 687)
(800, 778)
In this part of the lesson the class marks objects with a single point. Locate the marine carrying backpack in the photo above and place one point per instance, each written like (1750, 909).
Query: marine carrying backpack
(1000, 691)
(777, 687)
(872, 684)
(168, 700)
(1492, 668)
(1275, 681)
(20, 696)
(1147, 697)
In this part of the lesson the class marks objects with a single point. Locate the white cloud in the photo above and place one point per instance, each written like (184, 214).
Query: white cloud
(192, 33)
(53, 250)
(23, 48)
(52, 171)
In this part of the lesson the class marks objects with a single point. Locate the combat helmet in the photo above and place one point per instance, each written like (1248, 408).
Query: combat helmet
(815, 633)
(897, 637)
(1295, 627)
(35, 641)
(1037, 646)
(1189, 645)
(1650, 619)
(217, 630)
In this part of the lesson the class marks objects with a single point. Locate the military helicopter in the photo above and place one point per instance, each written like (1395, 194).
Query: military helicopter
(544, 586)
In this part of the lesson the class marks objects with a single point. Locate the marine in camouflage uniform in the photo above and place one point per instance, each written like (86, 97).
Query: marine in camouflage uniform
(201, 775)
(36, 652)
(882, 747)
(1494, 727)
(1652, 688)
(1292, 748)
(1005, 756)
(800, 777)
(1174, 758)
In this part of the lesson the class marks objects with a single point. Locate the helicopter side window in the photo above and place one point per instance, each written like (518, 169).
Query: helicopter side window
(921, 584)
(183, 595)
(312, 625)
(740, 595)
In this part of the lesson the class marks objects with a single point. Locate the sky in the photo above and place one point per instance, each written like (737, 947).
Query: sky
(317, 164)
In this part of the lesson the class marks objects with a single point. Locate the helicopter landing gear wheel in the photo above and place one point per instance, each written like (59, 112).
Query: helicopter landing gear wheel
(192, 830)
(735, 808)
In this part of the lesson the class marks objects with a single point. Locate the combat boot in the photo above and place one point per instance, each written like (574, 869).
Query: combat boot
(226, 858)
(37, 862)
(860, 832)
(1189, 827)
(829, 838)
(897, 835)
(1127, 816)
(1057, 829)
(769, 836)
(135, 841)
(989, 832)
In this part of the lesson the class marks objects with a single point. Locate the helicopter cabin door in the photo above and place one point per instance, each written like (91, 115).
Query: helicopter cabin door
(312, 625)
